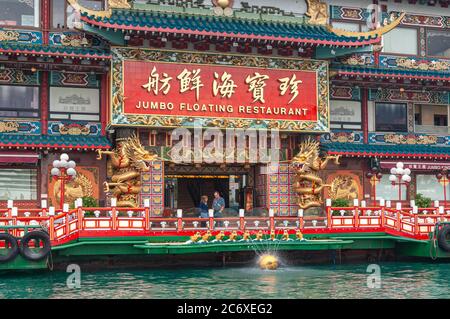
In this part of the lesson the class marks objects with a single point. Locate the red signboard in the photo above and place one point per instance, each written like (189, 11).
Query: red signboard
(194, 90)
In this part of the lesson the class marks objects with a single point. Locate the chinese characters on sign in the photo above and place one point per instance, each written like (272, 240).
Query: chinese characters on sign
(219, 91)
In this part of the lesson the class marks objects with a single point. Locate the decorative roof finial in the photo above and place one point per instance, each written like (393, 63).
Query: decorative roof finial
(223, 7)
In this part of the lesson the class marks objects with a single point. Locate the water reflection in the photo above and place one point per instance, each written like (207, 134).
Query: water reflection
(398, 280)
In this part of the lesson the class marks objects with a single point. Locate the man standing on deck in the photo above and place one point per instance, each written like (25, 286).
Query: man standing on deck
(218, 206)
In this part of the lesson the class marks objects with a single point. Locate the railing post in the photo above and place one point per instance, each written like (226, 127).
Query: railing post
(415, 211)
(179, 220)
(51, 223)
(441, 213)
(114, 213)
(272, 219)
(383, 212)
(79, 207)
(66, 211)
(300, 219)
(44, 207)
(356, 208)
(211, 219)
(328, 212)
(14, 214)
(147, 213)
(399, 215)
(10, 206)
(241, 219)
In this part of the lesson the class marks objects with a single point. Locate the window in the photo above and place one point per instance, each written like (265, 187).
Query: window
(429, 186)
(19, 13)
(431, 118)
(19, 101)
(59, 13)
(401, 41)
(390, 117)
(438, 44)
(68, 103)
(345, 114)
(18, 184)
(384, 189)
(440, 120)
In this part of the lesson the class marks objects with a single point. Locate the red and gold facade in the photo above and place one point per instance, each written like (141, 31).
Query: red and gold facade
(157, 67)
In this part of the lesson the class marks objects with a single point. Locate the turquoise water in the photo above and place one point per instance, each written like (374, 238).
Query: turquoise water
(398, 280)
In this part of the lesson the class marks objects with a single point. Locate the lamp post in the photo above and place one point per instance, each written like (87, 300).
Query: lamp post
(374, 176)
(443, 177)
(400, 176)
(63, 170)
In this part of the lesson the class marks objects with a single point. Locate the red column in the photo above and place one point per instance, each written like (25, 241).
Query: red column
(44, 102)
(104, 88)
(45, 20)
(365, 114)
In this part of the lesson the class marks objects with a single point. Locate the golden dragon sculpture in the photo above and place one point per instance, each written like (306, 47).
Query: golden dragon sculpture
(308, 184)
(128, 160)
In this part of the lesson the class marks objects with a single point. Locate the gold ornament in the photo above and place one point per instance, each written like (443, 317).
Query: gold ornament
(129, 160)
(9, 35)
(9, 127)
(306, 164)
(344, 187)
(119, 4)
(317, 12)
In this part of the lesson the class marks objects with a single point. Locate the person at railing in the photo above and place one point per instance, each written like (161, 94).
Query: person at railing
(203, 207)
(218, 206)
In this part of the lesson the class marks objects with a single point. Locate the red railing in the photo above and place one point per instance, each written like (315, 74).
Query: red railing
(115, 221)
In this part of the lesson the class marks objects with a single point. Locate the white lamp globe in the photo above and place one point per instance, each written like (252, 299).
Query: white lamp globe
(63, 163)
(393, 171)
(64, 157)
(392, 178)
(71, 164)
(406, 178)
(56, 163)
(55, 171)
(71, 171)
(400, 171)
(407, 171)
(399, 165)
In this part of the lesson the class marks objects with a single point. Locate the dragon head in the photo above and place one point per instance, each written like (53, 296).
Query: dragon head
(140, 157)
(309, 152)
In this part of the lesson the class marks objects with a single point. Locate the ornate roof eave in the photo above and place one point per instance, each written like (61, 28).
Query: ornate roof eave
(387, 151)
(70, 142)
(370, 72)
(52, 51)
(229, 35)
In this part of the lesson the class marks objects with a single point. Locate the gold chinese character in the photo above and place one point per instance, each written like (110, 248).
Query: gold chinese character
(256, 86)
(190, 81)
(226, 88)
(291, 83)
(154, 80)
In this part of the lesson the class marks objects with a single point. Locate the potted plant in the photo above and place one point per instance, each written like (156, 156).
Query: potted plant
(422, 201)
(339, 202)
(89, 201)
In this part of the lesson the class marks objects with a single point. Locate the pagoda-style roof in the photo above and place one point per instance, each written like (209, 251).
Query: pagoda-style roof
(220, 26)
(78, 142)
(379, 150)
(53, 51)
